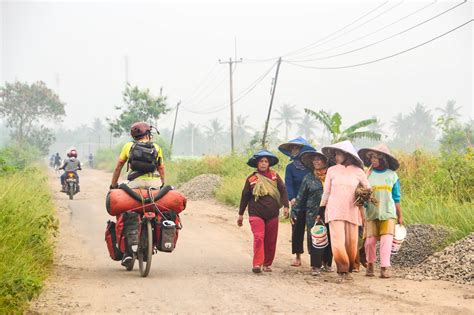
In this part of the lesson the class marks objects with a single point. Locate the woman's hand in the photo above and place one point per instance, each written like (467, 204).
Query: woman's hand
(318, 218)
(292, 202)
(240, 220)
(400, 219)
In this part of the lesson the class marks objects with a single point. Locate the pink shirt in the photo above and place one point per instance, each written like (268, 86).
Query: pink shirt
(339, 192)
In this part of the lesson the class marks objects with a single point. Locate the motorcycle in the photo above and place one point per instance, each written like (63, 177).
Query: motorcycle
(71, 187)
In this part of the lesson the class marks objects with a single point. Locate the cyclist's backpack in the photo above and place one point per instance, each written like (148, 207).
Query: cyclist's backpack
(111, 241)
(143, 157)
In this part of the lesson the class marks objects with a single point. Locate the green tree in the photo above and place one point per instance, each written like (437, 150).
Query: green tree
(214, 133)
(25, 106)
(333, 124)
(450, 113)
(287, 114)
(139, 105)
(242, 130)
(307, 127)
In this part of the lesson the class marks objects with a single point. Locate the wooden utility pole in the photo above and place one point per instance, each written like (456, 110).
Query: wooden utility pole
(231, 62)
(126, 69)
(174, 126)
(271, 104)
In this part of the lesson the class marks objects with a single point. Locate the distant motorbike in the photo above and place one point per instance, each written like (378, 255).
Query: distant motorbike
(71, 187)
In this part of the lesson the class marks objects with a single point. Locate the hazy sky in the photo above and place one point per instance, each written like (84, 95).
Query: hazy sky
(79, 48)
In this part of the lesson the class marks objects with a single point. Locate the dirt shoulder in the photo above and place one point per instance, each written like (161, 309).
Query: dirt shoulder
(210, 271)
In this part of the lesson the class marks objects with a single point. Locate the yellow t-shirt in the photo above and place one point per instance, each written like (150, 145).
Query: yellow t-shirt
(125, 154)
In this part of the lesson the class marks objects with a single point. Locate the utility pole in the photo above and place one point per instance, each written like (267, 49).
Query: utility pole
(174, 126)
(192, 140)
(126, 69)
(271, 103)
(231, 62)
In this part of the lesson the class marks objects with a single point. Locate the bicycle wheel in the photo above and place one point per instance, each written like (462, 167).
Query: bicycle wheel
(145, 249)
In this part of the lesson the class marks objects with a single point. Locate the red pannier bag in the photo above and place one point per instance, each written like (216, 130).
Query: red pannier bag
(121, 200)
(112, 242)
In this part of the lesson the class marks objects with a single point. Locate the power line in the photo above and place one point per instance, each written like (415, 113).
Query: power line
(374, 32)
(357, 27)
(240, 96)
(383, 58)
(385, 39)
(204, 82)
(297, 51)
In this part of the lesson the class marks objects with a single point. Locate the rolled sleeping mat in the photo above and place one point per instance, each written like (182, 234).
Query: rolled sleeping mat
(125, 199)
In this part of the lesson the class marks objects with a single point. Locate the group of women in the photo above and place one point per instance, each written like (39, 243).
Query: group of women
(321, 188)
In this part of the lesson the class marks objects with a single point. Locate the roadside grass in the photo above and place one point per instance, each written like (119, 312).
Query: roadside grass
(27, 223)
(435, 190)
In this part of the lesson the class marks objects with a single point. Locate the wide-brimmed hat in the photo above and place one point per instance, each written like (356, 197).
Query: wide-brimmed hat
(344, 146)
(253, 161)
(285, 148)
(393, 163)
(307, 158)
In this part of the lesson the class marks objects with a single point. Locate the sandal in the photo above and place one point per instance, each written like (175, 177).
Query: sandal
(257, 269)
(327, 269)
(296, 264)
(267, 269)
(316, 272)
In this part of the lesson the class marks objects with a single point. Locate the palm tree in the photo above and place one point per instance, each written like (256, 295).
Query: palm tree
(450, 111)
(242, 130)
(214, 133)
(307, 127)
(286, 115)
(333, 123)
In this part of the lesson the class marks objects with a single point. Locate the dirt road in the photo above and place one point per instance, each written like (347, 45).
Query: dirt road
(210, 271)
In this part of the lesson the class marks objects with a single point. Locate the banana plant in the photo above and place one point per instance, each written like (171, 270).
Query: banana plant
(333, 123)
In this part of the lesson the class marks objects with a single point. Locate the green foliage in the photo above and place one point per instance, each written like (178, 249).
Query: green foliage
(17, 157)
(139, 105)
(25, 106)
(333, 123)
(26, 226)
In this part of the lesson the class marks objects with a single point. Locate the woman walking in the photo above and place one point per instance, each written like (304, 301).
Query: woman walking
(381, 218)
(308, 201)
(338, 202)
(294, 173)
(264, 193)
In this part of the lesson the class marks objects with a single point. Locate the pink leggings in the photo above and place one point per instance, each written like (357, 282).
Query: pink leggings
(385, 249)
(344, 237)
(265, 235)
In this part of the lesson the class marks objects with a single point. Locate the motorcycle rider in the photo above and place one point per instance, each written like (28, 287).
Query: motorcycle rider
(148, 172)
(57, 160)
(91, 160)
(71, 164)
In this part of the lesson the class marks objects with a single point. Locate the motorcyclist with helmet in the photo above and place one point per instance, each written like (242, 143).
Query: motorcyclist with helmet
(145, 161)
(71, 164)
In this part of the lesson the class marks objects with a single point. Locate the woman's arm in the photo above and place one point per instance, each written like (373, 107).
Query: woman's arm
(283, 195)
(396, 196)
(301, 200)
(244, 201)
(289, 184)
(326, 188)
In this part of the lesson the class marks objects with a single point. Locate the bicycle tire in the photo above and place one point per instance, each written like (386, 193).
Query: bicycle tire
(145, 248)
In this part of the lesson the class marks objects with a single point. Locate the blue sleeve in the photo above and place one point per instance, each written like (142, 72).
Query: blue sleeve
(396, 192)
(289, 182)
